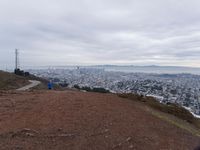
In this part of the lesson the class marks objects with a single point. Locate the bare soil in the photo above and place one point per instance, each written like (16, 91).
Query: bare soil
(72, 120)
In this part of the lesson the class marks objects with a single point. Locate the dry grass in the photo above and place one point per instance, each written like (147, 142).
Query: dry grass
(9, 81)
(170, 108)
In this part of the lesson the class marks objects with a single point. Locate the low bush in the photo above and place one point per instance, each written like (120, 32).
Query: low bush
(88, 89)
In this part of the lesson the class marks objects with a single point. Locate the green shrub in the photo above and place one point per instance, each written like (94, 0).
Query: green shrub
(85, 88)
(100, 90)
(88, 89)
(76, 87)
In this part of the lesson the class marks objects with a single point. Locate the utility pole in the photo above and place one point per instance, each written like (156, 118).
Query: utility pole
(16, 59)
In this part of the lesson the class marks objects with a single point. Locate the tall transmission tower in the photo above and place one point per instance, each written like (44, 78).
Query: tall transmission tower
(16, 59)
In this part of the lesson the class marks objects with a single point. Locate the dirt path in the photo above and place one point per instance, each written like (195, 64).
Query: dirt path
(70, 120)
(33, 83)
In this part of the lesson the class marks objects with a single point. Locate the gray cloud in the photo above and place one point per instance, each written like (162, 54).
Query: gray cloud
(66, 32)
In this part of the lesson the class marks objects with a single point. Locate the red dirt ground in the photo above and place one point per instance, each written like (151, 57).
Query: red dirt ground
(71, 120)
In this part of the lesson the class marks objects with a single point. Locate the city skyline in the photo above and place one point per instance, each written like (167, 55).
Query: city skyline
(94, 32)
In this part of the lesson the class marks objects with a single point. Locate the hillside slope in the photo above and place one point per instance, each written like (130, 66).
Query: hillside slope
(56, 120)
(9, 81)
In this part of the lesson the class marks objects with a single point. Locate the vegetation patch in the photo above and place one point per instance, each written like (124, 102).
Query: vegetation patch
(9, 81)
(88, 89)
(178, 123)
(169, 108)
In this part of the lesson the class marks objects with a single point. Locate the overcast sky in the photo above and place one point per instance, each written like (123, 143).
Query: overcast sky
(90, 32)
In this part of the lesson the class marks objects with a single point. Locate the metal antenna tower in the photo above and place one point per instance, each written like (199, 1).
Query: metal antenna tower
(16, 59)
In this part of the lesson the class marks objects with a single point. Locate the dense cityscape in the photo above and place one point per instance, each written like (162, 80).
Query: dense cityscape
(183, 89)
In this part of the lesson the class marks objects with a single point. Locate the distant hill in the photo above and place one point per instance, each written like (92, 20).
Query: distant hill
(136, 69)
(9, 81)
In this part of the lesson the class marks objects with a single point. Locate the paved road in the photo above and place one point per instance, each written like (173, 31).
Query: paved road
(31, 85)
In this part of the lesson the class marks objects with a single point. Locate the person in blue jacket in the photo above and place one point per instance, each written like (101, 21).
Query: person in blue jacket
(50, 85)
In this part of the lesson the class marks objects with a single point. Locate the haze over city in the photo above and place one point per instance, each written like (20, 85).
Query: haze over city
(91, 32)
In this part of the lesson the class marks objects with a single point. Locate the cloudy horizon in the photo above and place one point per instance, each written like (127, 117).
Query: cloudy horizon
(95, 32)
